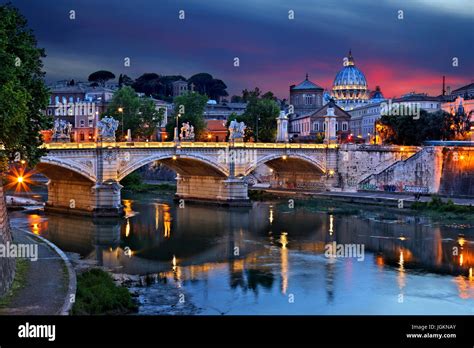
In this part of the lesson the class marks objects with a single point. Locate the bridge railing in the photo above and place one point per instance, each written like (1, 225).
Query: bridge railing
(169, 144)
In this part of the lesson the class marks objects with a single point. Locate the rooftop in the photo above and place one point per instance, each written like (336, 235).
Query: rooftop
(306, 84)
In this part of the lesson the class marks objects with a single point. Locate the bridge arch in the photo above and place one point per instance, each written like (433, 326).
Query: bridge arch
(54, 168)
(279, 161)
(183, 164)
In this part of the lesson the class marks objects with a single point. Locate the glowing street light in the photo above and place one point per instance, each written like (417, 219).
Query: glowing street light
(121, 111)
(19, 179)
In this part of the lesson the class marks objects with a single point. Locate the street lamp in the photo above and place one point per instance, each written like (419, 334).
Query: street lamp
(176, 137)
(121, 111)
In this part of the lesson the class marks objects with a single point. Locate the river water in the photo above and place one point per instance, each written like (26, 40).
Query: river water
(273, 258)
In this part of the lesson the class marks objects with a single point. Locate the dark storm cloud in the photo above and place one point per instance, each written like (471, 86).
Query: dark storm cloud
(274, 52)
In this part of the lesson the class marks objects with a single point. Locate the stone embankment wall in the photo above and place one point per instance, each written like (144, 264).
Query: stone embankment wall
(433, 170)
(358, 162)
(457, 177)
(7, 265)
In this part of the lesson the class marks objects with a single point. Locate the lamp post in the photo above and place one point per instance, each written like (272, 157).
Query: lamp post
(121, 111)
(176, 134)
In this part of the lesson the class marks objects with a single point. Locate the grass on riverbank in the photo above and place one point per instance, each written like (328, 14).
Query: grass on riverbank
(21, 272)
(134, 183)
(447, 209)
(151, 188)
(97, 294)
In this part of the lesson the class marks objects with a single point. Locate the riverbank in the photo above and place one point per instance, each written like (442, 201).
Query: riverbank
(432, 206)
(39, 277)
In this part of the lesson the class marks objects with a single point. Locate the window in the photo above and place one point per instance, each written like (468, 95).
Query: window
(337, 126)
(82, 124)
(91, 123)
(316, 126)
(82, 136)
(324, 126)
(344, 126)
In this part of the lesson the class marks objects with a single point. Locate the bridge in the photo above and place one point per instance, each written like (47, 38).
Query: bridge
(85, 178)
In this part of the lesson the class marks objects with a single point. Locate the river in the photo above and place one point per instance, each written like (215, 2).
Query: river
(273, 258)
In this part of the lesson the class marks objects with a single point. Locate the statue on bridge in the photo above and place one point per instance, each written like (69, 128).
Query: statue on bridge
(237, 131)
(107, 128)
(187, 132)
(62, 131)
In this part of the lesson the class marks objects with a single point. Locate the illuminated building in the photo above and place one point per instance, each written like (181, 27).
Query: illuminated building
(350, 86)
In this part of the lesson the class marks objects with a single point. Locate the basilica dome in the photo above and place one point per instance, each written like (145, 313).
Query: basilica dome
(350, 85)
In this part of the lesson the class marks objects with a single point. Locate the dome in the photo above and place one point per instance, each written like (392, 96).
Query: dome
(377, 95)
(350, 75)
(350, 85)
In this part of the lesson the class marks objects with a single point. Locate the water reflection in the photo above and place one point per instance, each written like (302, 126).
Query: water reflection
(268, 249)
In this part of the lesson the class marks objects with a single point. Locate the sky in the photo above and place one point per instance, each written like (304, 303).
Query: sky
(274, 51)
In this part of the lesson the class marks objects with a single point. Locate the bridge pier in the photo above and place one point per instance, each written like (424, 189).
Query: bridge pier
(84, 198)
(230, 191)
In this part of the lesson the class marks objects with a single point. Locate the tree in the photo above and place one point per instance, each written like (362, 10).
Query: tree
(407, 130)
(101, 77)
(124, 80)
(248, 95)
(217, 89)
(191, 107)
(201, 82)
(23, 93)
(148, 83)
(269, 95)
(260, 117)
(138, 114)
(204, 83)
(236, 99)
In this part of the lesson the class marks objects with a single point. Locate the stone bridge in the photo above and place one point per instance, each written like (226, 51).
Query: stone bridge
(85, 177)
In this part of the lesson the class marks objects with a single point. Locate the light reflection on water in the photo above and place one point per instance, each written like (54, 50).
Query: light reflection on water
(270, 260)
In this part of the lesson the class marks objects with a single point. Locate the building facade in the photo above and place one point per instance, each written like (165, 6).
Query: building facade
(306, 97)
(80, 106)
(311, 127)
(467, 92)
(179, 88)
(222, 111)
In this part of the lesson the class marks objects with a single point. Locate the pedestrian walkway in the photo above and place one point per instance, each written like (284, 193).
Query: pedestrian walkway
(47, 288)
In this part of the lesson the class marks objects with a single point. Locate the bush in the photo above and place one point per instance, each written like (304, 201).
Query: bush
(98, 294)
(132, 180)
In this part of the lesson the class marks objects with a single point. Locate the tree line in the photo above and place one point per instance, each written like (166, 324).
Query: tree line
(161, 86)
